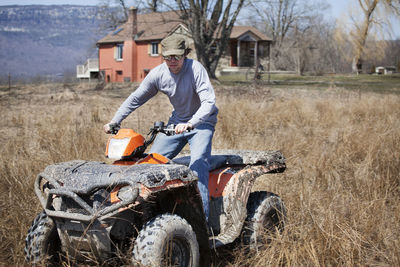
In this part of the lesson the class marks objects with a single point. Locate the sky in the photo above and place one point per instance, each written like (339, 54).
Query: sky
(337, 7)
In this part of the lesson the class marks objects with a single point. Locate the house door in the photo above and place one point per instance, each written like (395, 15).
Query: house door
(247, 53)
(118, 76)
(234, 59)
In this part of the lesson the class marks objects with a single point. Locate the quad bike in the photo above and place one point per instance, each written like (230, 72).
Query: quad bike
(149, 207)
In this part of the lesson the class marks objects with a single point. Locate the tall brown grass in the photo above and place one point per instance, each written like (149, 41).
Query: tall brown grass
(341, 186)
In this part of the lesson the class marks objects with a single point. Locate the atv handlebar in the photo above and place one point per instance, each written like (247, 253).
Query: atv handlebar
(159, 127)
(114, 128)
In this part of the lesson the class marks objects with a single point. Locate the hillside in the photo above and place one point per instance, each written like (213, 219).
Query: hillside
(38, 40)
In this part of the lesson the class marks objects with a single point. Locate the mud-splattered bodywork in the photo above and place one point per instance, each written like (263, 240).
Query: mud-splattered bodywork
(231, 180)
(99, 208)
(96, 205)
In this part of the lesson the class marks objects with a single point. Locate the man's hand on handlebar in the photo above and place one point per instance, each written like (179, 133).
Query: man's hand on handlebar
(111, 128)
(183, 127)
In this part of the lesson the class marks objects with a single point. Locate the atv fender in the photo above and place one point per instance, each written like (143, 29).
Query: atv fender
(232, 176)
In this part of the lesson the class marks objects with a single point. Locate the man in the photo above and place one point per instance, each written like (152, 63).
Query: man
(186, 83)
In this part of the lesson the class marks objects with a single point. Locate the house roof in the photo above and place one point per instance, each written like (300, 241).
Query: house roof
(157, 25)
(239, 31)
(151, 26)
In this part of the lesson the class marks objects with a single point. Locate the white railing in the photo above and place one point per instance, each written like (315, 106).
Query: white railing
(84, 71)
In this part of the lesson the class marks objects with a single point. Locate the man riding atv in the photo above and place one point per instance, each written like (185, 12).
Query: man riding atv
(188, 87)
(154, 210)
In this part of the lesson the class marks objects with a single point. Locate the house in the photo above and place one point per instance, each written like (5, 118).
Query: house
(244, 41)
(133, 49)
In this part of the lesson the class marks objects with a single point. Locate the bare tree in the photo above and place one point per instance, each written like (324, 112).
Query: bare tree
(153, 5)
(115, 12)
(279, 17)
(392, 54)
(371, 14)
(289, 23)
(210, 23)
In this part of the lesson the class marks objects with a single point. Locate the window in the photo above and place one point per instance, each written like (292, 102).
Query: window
(154, 48)
(252, 49)
(119, 52)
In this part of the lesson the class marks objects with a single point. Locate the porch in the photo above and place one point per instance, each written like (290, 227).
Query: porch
(248, 50)
(89, 70)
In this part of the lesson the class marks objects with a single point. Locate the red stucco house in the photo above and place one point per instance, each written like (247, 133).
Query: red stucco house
(133, 49)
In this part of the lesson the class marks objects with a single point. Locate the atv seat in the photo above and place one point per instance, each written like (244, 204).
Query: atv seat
(223, 157)
(217, 161)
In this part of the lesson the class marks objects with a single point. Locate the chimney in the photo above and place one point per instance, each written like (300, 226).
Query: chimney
(132, 19)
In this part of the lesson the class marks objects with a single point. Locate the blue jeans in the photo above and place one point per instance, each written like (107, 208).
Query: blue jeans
(199, 140)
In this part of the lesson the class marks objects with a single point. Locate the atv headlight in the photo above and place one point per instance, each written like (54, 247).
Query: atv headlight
(117, 147)
(126, 193)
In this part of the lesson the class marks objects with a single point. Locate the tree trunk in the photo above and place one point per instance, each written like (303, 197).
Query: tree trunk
(361, 34)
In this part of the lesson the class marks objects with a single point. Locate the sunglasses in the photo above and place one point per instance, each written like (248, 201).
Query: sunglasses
(175, 57)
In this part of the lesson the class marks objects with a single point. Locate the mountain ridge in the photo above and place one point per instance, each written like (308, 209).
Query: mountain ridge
(41, 40)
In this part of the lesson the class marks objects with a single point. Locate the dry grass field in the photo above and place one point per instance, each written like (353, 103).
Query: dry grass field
(341, 186)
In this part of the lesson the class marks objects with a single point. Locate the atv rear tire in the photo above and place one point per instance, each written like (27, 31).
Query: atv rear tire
(266, 213)
(42, 244)
(166, 240)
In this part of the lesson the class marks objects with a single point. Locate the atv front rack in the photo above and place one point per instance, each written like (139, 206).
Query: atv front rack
(47, 195)
(79, 180)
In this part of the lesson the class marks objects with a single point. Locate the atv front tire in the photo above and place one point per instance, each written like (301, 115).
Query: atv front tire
(166, 240)
(42, 244)
(266, 214)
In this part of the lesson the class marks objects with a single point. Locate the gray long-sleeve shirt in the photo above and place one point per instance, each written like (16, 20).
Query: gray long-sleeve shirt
(190, 93)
